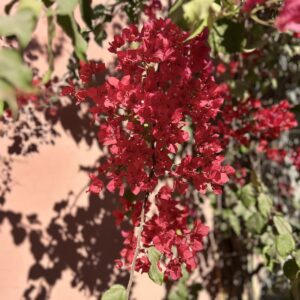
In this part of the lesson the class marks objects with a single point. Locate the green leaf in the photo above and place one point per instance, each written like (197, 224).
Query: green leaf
(176, 15)
(1, 108)
(180, 291)
(196, 10)
(66, 7)
(290, 269)
(116, 292)
(20, 25)
(215, 37)
(154, 273)
(100, 34)
(247, 195)
(193, 15)
(208, 19)
(23, 22)
(86, 12)
(244, 149)
(68, 24)
(51, 33)
(269, 252)
(176, 6)
(255, 223)
(197, 13)
(234, 36)
(8, 95)
(282, 226)
(240, 210)
(34, 5)
(264, 204)
(14, 70)
(285, 244)
(99, 12)
(268, 237)
(227, 36)
(47, 76)
(65, 18)
(297, 257)
(234, 223)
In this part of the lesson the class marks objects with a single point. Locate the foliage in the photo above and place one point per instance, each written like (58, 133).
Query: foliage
(116, 292)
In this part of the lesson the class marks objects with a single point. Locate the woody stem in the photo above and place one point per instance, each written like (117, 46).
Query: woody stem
(140, 229)
(137, 248)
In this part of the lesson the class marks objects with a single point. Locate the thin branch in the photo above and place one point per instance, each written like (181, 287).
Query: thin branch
(140, 229)
(137, 249)
(78, 196)
(262, 22)
(256, 270)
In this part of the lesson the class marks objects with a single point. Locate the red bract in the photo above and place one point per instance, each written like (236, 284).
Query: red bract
(87, 70)
(171, 234)
(152, 7)
(165, 99)
(276, 155)
(296, 158)
(289, 16)
(96, 186)
(270, 122)
(249, 121)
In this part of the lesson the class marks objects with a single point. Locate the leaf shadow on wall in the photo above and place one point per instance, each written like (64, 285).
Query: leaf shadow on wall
(80, 239)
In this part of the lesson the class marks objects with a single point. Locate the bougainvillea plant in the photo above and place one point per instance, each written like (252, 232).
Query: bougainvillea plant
(201, 106)
(145, 120)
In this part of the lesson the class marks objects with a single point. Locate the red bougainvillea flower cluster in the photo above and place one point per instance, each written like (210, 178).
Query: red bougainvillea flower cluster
(271, 121)
(166, 86)
(289, 16)
(88, 70)
(170, 232)
(249, 121)
(158, 121)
